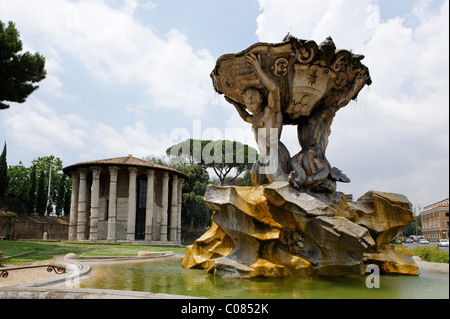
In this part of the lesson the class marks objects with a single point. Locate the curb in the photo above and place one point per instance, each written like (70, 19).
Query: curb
(71, 293)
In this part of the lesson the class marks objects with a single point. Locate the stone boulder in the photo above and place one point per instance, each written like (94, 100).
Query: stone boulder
(276, 230)
(383, 214)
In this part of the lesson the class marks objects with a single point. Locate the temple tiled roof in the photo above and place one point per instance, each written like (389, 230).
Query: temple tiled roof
(125, 161)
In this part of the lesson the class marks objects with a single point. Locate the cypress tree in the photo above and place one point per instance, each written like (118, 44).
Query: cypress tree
(3, 174)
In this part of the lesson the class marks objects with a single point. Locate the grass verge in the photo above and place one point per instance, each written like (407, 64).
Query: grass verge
(48, 250)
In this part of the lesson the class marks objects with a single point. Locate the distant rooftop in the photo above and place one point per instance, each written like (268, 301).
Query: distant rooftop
(442, 203)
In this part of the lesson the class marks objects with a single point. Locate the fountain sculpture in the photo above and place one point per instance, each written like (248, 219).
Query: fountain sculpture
(293, 221)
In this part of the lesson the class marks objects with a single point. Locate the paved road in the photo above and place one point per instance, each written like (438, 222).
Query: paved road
(431, 244)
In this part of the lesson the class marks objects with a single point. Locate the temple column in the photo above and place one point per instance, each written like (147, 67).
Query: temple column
(149, 204)
(180, 201)
(74, 206)
(165, 206)
(82, 214)
(95, 198)
(173, 209)
(112, 205)
(131, 224)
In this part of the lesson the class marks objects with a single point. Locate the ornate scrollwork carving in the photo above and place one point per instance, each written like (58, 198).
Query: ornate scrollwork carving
(307, 52)
(341, 61)
(340, 81)
(280, 67)
(339, 64)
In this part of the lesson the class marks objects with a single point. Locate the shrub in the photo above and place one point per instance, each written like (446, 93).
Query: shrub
(433, 254)
(404, 251)
(430, 254)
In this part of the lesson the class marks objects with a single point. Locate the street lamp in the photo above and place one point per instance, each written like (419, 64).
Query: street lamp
(415, 221)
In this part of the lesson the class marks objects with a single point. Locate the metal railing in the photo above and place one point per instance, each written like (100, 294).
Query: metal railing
(58, 270)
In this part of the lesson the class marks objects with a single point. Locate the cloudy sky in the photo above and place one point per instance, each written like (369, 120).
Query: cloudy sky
(132, 77)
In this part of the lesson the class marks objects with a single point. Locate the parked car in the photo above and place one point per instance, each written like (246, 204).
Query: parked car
(409, 240)
(442, 243)
(423, 241)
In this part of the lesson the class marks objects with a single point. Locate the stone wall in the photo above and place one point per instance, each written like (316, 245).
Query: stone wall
(34, 227)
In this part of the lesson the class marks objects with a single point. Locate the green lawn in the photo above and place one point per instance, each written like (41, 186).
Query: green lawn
(48, 250)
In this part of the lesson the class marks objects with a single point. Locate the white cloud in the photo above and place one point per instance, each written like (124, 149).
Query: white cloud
(130, 139)
(39, 129)
(347, 22)
(114, 47)
(52, 84)
(283, 16)
(177, 76)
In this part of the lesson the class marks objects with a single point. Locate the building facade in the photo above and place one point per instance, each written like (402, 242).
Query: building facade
(435, 221)
(125, 199)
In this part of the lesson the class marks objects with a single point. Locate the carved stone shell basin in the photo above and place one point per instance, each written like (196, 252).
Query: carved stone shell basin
(308, 75)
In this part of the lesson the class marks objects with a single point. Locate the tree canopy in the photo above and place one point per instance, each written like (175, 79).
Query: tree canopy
(18, 71)
(28, 188)
(223, 156)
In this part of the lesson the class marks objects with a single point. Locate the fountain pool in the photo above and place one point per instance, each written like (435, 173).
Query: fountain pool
(166, 275)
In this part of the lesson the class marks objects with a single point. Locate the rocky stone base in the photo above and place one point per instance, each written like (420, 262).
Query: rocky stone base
(275, 230)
